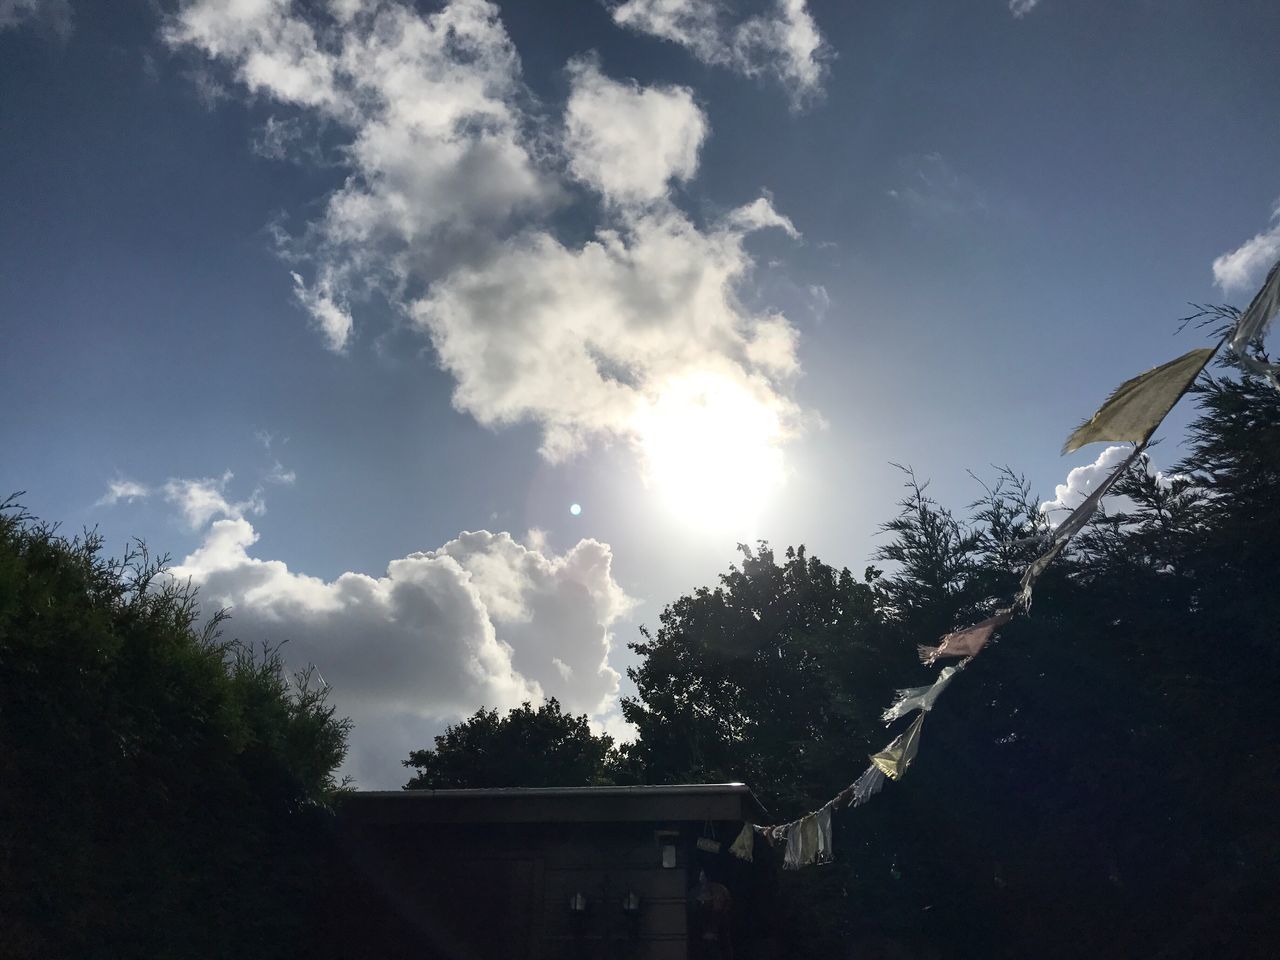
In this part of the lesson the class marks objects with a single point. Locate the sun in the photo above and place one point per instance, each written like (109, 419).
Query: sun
(711, 451)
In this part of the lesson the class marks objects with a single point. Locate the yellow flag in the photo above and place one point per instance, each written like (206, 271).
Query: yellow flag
(894, 759)
(1136, 408)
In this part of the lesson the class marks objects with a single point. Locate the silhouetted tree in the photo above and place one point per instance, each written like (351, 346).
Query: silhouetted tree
(529, 747)
(161, 790)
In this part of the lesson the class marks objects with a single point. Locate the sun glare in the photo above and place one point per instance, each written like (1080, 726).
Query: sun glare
(711, 451)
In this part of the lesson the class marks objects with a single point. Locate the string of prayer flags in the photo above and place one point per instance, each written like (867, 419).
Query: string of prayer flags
(1132, 413)
(1068, 528)
(744, 847)
(966, 642)
(1252, 327)
(809, 840)
(918, 698)
(1138, 406)
(897, 756)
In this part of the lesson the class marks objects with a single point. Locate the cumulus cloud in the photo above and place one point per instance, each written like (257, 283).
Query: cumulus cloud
(482, 620)
(435, 146)
(628, 141)
(1020, 8)
(1241, 271)
(443, 213)
(53, 15)
(783, 43)
(587, 340)
(1081, 481)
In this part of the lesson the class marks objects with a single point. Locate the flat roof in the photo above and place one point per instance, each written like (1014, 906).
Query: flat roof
(661, 802)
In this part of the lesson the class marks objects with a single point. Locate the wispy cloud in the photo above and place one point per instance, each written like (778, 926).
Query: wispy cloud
(932, 186)
(783, 44)
(1242, 270)
(123, 489)
(277, 473)
(205, 499)
(1020, 8)
(52, 15)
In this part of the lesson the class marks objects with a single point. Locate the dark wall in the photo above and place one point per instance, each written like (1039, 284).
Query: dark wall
(461, 891)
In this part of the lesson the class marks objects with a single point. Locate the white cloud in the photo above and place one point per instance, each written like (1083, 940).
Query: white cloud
(123, 489)
(54, 15)
(436, 145)
(483, 620)
(279, 475)
(204, 499)
(1083, 480)
(585, 341)
(628, 141)
(439, 216)
(1241, 271)
(1020, 8)
(784, 43)
(330, 316)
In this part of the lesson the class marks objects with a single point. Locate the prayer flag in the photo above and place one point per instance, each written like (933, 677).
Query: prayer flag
(897, 756)
(919, 698)
(1137, 406)
(1252, 326)
(968, 641)
(866, 786)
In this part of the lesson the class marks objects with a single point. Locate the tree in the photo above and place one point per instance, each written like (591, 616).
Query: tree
(776, 678)
(527, 748)
(162, 791)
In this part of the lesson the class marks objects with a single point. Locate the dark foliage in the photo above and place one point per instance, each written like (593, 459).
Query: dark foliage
(1098, 783)
(161, 790)
(527, 748)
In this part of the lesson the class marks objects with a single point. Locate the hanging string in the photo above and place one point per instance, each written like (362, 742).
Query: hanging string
(1132, 413)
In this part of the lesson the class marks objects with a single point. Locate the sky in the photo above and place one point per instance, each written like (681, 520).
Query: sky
(447, 342)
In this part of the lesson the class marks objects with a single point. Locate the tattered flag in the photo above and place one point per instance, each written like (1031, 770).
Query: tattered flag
(1252, 327)
(897, 756)
(968, 641)
(918, 698)
(1137, 406)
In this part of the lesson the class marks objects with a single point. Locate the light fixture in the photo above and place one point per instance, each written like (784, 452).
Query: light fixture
(578, 904)
(631, 903)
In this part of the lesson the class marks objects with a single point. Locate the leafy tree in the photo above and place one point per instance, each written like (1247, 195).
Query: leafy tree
(542, 747)
(776, 678)
(161, 789)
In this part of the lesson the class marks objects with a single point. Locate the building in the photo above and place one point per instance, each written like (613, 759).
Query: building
(542, 874)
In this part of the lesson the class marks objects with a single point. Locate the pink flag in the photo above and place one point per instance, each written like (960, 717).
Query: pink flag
(968, 641)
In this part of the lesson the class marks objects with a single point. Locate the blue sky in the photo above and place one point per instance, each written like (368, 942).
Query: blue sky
(706, 276)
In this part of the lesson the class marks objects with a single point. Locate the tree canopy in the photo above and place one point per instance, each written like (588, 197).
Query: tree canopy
(161, 788)
(542, 747)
